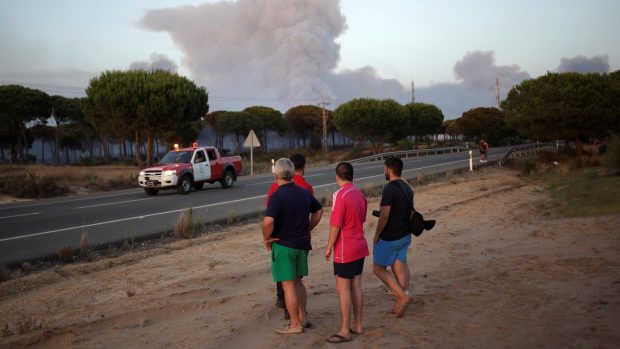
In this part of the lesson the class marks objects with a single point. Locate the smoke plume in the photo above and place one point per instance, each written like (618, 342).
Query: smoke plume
(155, 62)
(583, 64)
(269, 49)
(283, 53)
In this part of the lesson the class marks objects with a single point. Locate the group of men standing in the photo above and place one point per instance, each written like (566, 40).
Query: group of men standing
(293, 212)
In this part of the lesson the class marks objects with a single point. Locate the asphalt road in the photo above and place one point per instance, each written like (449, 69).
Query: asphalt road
(40, 228)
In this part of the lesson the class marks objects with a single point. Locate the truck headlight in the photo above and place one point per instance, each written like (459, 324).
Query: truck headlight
(169, 173)
(141, 173)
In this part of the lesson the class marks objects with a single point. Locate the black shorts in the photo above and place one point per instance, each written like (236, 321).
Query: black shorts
(349, 270)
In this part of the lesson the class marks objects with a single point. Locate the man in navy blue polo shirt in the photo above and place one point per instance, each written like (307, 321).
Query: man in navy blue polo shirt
(292, 212)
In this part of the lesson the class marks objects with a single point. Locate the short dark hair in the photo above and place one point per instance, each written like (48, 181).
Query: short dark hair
(299, 161)
(395, 164)
(344, 171)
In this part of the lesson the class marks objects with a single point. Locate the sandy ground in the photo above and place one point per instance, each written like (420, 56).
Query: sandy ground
(497, 271)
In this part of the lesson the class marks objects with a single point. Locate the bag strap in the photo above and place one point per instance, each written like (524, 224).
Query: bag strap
(410, 202)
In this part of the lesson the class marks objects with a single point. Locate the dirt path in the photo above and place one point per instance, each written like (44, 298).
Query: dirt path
(495, 272)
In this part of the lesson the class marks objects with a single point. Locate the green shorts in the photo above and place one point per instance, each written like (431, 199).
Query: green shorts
(288, 263)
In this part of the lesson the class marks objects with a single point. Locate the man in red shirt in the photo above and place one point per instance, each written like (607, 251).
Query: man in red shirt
(349, 246)
(299, 162)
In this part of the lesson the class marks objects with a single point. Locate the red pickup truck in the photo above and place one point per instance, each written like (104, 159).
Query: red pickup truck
(189, 168)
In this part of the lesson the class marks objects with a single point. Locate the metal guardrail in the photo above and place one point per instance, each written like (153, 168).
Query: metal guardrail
(410, 153)
(527, 149)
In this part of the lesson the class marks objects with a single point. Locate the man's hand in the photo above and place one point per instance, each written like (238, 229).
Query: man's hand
(269, 242)
(327, 253)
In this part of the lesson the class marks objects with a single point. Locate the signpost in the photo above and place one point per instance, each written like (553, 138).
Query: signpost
(251, 142)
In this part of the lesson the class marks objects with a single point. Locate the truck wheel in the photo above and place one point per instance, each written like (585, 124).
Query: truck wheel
(151, 191)
(185, 185)
(198, 186)
(228, 179)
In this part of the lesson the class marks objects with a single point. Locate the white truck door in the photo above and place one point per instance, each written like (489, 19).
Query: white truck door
(200, 164)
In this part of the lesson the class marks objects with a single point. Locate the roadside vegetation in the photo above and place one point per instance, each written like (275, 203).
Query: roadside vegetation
(41, 181)
(578, 186)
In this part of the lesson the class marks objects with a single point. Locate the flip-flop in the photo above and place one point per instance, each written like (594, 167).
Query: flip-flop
(339, 339)
(354, 331)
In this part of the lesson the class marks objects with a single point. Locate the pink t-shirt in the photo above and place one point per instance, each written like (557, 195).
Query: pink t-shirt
(349, 213)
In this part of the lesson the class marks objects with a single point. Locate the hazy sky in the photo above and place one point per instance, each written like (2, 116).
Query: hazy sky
(345, 49)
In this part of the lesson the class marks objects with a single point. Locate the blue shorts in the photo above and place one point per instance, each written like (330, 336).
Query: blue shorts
(385, 253)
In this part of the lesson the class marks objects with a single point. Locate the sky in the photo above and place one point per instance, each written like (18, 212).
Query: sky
(282, 53)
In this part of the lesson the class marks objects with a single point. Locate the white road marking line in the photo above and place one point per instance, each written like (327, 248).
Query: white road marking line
(111, 203)
(21, 215)
(128, 219)
(65, 201)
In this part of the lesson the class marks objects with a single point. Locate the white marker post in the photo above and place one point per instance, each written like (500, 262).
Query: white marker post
(471, 161)
(250, 142)
(273, 166)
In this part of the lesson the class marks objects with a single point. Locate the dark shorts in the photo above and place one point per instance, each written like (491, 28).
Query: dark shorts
(349, 270)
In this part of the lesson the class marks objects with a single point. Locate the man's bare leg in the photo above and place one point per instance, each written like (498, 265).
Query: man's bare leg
(343, 287)
(401, 272)
(388, 279)
(291, 300)
(358, 302)
(302, 297)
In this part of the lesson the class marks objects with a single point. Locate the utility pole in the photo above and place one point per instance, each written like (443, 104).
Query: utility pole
(412, 92)
(497, 92)
(323, 104)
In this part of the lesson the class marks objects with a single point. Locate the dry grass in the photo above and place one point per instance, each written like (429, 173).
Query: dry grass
(130, 290)
(84, 246)
(56, 180)
(181, 227)
(65, 254)
(71, 173)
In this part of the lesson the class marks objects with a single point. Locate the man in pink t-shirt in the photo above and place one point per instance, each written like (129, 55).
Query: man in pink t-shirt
(349, 246)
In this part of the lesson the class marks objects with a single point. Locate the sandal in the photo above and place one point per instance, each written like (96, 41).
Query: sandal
(289, 330)
(354, 331)
(338, 339)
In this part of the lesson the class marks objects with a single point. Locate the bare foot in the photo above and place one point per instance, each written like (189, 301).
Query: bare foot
(401, 305)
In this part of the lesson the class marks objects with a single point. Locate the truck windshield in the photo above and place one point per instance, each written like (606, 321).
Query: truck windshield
(175, 157)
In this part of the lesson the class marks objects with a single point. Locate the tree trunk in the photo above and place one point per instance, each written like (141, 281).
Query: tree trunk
(265, 139)
(56, 145)
(237, 144)
(149, 148)
(137, 150)
(106, 149)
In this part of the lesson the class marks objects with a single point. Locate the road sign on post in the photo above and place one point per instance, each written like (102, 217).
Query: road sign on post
(251, 142)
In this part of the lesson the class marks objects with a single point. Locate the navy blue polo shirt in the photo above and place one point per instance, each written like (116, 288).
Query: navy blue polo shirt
(290, 207)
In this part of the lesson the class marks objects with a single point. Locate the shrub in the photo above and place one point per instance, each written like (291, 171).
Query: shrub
(405, 144)
(612, 155)
(528, 166)
(4, 273)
